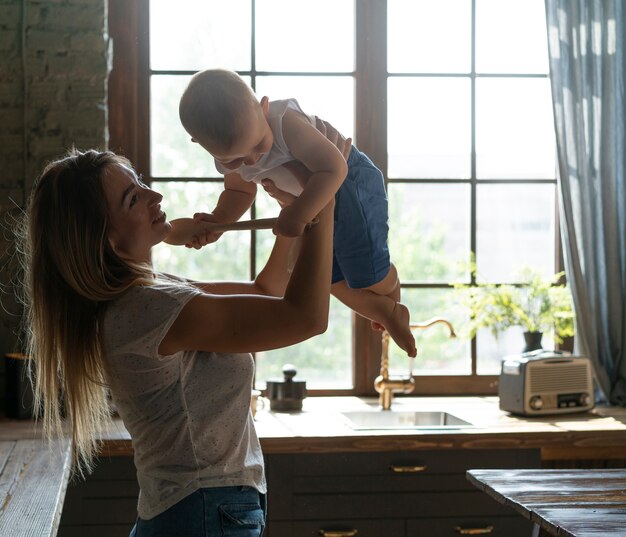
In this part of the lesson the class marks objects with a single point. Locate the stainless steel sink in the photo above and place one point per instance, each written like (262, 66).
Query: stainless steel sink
(403, 419)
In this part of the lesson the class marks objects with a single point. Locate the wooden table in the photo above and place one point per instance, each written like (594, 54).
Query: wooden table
(33, 479)
(562, 503)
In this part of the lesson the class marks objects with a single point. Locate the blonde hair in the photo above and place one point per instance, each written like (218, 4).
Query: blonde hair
(215, 105)
(70, 274)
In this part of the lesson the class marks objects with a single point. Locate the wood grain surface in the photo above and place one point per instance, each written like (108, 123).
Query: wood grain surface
(33, 481)
(563, 503)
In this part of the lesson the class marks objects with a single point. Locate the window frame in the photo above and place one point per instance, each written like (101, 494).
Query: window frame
(129, 134)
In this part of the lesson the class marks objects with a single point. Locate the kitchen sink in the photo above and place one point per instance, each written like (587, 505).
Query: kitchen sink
(403, 419)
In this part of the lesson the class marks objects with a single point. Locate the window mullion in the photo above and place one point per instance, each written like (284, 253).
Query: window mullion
(371, 138)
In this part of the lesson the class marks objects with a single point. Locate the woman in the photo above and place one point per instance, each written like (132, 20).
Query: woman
(173, 353)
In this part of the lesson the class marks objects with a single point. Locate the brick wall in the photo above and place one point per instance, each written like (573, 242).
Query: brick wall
(54, 64)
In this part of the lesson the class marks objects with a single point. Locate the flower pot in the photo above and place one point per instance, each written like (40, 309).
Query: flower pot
(533, 341)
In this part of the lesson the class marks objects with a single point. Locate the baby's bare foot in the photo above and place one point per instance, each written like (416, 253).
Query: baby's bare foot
(398, 327)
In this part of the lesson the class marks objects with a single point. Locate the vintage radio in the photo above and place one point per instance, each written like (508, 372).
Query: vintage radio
(545, 382)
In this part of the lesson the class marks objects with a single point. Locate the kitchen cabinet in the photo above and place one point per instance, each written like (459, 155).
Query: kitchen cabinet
(105, 504)
(389, 494)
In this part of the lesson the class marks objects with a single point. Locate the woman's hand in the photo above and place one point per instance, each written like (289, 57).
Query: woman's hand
(343, 144)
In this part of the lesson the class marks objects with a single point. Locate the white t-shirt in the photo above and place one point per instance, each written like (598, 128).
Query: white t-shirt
(270, 165)
(188, 414)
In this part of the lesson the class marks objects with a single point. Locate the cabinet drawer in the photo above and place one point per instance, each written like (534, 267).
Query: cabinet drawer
(365, 528)
(386, 506)
(510, 526)
(433, 462)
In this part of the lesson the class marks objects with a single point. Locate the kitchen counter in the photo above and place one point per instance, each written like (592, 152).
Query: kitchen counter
(33, 480)
(320, 428)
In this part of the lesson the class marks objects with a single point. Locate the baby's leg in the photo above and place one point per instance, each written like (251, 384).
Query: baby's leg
(380, 309)
(388, 286)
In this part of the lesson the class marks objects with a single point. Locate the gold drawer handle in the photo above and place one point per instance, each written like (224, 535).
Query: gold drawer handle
(474, 531)
(338, 533)
(407, 469)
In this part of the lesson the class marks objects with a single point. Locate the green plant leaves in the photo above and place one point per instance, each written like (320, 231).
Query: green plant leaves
(537, 305)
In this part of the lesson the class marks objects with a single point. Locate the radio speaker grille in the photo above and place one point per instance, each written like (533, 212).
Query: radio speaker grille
(559, 378)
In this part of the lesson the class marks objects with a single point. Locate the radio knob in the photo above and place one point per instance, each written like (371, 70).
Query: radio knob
(585, 399)
(536, 403)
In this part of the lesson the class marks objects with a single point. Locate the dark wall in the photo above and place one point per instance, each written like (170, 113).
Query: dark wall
(54, 64)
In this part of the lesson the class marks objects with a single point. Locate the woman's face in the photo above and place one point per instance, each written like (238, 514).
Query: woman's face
(136, 221)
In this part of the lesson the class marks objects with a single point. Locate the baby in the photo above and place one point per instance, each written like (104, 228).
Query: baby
(252, 141)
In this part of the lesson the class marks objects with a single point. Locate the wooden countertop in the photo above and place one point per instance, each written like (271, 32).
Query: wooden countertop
(320, 428)
(563, 503)
(33, 479)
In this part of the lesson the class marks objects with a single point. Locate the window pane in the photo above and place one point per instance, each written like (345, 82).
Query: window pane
(226, 259)
(265, 207)
(515, 228)
(324, 361)
(429, 37)
(429, 230)
(198, 34)
(514, 129)
(429, 127)
(294, 38)
(172, 152)
(490, 351)
(511, 36)
(312, 92)
(437, 353)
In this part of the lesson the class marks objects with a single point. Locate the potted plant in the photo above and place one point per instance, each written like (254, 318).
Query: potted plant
(537, 304)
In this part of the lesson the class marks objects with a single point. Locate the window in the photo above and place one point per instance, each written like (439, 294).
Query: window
(450, 98)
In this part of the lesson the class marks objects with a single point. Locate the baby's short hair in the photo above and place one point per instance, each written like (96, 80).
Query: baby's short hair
(213, 106)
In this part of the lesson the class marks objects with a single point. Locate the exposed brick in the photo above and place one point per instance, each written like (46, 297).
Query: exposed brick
(76, 65)
(87, 64)
(11, 142)
(72, 17)
(33, 14)
(88, 41)
(10, 93)
(66, 71)
(10, 15)
(47, 40)
(9, 41)
(11, 121)
(46, 146)
(46, 91)
(92, 3)
(85, 92)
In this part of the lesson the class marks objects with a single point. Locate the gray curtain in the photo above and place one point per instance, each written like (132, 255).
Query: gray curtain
(586, 43)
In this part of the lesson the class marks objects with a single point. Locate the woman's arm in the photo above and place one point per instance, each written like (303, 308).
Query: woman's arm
(246, 323)
(271, 280)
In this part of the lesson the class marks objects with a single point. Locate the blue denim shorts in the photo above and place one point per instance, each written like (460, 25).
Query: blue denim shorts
(209, 512)
(360, 250)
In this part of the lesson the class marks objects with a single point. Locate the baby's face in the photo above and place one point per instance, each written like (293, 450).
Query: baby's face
(255, 141)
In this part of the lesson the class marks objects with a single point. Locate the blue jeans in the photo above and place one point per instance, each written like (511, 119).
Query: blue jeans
(209, 512)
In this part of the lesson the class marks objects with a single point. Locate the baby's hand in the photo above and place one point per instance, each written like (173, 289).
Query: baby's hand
(289, 224)
(191, 232)
(205, 236)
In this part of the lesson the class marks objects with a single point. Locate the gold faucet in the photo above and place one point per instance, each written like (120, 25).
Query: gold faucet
(385, 385)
